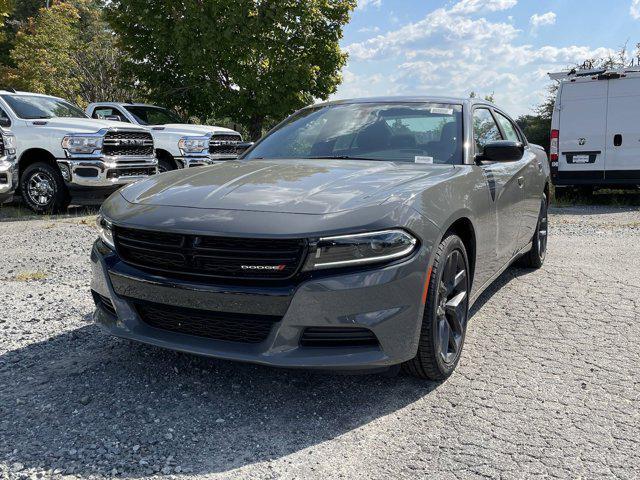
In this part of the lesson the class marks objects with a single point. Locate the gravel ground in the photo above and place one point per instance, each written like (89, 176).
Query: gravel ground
(548, 385)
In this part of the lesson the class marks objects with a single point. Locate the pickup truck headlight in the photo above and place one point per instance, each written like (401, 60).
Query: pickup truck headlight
(193, 144)
(361, 249)
(9, 143)
(105, 231)
(82, 143)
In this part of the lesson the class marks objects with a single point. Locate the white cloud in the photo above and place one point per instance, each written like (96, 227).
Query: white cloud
(362, 4)
(548, 18)
(634, 10)
(452, 51)
(369, 30)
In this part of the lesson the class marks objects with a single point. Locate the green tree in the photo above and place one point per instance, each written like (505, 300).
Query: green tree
(69, 51)
(255, 61)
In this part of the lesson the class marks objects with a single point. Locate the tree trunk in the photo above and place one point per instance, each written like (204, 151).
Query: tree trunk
(255, 127)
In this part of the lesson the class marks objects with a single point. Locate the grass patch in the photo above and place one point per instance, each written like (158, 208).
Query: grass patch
(28, 277)
(603, 197)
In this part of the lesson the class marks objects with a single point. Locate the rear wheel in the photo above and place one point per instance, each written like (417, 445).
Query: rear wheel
(43, 188)
(535, 257)
(446, 311)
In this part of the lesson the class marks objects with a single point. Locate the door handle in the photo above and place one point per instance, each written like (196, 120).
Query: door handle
(617, 140)
(521, 182)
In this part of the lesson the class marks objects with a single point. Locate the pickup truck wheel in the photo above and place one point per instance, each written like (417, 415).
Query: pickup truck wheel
(444, 322)
(43, 188)
(165, 165)
(535, 257)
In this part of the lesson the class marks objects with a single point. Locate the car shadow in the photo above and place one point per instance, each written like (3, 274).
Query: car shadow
(85, 403)
(498, 284)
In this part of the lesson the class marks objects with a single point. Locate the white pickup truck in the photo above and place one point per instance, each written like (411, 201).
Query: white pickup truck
(178, 144)
(65, 156)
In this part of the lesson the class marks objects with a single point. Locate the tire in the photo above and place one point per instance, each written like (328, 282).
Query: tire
(43, 189)
(165, 165)
(535, 257)
(446, 312)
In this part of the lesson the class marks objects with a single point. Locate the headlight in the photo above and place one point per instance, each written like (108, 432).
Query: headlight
(82, 143)
(193, 144)
(105, 231)
(9, 143)
(361, 249)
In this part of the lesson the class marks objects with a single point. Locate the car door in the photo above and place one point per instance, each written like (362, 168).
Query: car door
(530, 179)
(623, 130)
(505, 186)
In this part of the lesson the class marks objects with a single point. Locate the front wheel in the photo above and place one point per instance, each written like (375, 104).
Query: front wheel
(444, 322)
(536, 256)
(43, 188)
(165, 165)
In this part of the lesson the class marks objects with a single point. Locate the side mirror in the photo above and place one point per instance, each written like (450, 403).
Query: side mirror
(5, 122)
(502, 151)
(243, 147)
(113, 118)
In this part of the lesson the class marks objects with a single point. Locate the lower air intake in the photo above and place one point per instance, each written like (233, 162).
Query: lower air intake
(103, 302)
(231, 327)
(338, 337)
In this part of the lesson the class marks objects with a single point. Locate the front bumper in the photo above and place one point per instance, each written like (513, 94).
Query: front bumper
(8, 177)
(386, 301)
(107, 171)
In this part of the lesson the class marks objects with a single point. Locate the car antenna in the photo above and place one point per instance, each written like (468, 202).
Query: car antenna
(9, 89)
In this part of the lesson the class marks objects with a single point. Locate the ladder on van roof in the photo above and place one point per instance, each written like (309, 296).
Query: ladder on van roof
(596, 73)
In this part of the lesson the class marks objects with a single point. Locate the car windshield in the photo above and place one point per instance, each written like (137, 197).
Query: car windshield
(33, 106)
(145, 115)
(396, 132)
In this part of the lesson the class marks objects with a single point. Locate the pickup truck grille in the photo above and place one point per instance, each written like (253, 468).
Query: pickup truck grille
(208, 256)
(128, 144)
(224, 145)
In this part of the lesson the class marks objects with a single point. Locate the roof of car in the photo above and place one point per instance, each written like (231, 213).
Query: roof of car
(126, 104)
(410, 99)
(30, 94)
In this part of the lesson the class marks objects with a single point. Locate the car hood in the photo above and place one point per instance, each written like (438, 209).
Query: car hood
(83, 125)
(285, 186)
(189, 129)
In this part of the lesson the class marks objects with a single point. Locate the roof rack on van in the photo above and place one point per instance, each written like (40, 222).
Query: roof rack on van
(601, 73)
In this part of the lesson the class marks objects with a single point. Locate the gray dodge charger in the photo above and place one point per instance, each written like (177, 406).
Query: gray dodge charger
(354, 236)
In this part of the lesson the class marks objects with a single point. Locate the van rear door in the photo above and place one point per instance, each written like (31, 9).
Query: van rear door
(623, 130)
(583, 127)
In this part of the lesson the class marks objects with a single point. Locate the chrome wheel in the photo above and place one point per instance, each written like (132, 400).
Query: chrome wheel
(41, 188)
(451, 311)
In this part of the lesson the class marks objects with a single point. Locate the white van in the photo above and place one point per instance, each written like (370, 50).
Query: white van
(595, 129)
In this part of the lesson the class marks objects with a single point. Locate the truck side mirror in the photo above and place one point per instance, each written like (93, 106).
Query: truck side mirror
(5, 122)
(502, 151)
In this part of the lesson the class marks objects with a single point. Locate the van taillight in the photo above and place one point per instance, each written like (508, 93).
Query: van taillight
(554, 146)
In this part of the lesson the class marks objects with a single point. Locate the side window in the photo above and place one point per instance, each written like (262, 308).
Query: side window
(5, 121)
(508, 128)
(103, 112)
(485, 129)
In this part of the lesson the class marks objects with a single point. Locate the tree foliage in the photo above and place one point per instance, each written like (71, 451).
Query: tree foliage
(255, 61)
(69, 51)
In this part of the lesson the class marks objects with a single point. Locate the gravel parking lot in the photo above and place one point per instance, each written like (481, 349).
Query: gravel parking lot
(548, 386)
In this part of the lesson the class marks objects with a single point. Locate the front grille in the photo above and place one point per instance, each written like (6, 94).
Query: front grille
(224, 145)
(219, 257)
(128, 144)
(103, 302)
(231, 327)
(338, 337)
(131, 172)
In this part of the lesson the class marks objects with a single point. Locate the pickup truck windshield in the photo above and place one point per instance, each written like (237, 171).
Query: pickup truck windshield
(396, 132)
(31, 107)
(153, 115)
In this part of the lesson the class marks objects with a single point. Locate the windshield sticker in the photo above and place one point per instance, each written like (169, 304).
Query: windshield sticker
(442, 111)
(421, 159)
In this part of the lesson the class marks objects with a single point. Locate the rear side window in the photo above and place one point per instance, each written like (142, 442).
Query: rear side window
(485, 129)
(508, 128)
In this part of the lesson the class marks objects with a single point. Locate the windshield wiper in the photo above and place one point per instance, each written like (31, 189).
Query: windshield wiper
(343, 157)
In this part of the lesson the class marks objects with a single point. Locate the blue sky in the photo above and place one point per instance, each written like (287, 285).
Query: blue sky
(404, 47)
